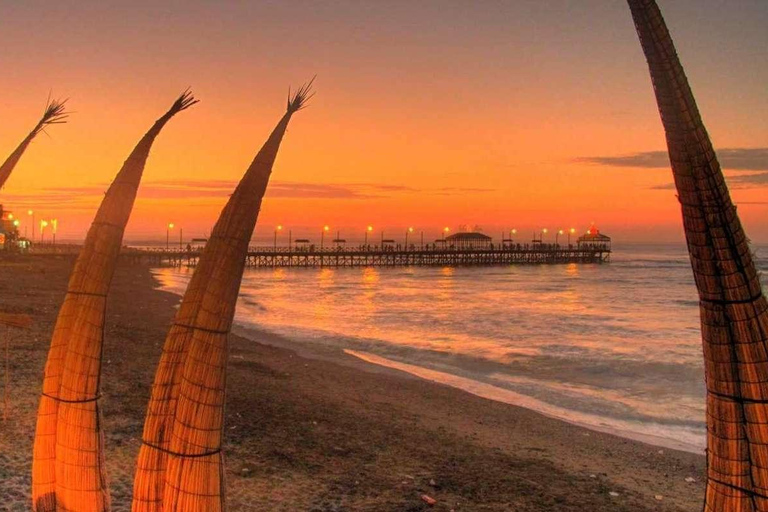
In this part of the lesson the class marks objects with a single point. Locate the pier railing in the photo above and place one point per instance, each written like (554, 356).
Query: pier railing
(389, 256)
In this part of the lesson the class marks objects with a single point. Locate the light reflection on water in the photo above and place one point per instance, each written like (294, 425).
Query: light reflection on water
(617, 342)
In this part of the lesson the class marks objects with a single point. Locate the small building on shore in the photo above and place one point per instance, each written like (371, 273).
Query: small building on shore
(594, 240)
(9, 231)
(468, 240)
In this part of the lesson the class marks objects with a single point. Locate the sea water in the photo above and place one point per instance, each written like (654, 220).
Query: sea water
(614, 347)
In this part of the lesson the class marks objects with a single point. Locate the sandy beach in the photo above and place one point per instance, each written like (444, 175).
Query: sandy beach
(325, 431)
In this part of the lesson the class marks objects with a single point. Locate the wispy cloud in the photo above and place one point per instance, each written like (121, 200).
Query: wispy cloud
(665, 186)
(749, 180)
(85, 197)
(737, 181)
(736, 159)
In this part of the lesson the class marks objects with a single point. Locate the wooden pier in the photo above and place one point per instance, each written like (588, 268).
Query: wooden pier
(535, 254)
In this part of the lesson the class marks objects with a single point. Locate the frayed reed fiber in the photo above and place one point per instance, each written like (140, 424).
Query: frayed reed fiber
(55, 113)
(68, 466)
(180, 466)
(734, 313)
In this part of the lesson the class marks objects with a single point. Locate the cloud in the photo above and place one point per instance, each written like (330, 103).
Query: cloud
(666, 186)
(736, 159)
(736, 181)
(86, 197)
(644, 160)
(749, 180)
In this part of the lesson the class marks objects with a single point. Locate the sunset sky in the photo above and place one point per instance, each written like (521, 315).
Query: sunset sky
(524, 113)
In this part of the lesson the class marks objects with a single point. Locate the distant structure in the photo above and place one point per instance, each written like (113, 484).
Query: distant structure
(459, 249)
(9, 232)
(594, 240)
(467, 240)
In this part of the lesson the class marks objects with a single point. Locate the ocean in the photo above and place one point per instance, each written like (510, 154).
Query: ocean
(614, 347)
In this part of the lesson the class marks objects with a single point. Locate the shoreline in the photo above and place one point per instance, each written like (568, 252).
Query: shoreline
(308, 431)
(373, 363)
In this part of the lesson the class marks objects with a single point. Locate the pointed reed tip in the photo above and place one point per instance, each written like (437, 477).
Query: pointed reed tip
(55, 113)
(298, 100)
(183, 102)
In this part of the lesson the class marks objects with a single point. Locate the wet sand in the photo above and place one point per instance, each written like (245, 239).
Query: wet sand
(326, 431)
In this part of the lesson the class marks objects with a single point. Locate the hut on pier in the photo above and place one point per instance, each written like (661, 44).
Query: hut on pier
(593, 239)
(468, 240)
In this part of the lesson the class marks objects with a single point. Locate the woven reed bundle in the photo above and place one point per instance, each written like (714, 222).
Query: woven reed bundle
(180, 466)
(55, 113)
(734, 313)
(68, 467)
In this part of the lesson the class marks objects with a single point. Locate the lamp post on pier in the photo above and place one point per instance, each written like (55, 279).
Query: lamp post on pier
(168, 229)
(322, 236)
(570, 232)
(277, 228)
(557, 235)
(32, 214)
(409, 230)
(543, 232)
(367, 230)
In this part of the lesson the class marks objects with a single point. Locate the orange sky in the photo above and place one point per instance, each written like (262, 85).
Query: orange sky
(435, 114)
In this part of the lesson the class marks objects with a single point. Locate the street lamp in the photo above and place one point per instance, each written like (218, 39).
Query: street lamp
(409, 230)
(570, 232)
(279, 227)
(445, 231)
(55, 228)
(322, 236)
(30, 212)
(168, 236)
(543, 232)
(43, 224)
(367, 230)
(557, 235)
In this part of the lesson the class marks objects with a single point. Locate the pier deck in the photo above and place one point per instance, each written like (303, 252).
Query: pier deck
(388, 257)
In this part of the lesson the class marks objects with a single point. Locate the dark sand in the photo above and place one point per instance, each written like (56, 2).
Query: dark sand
(331, 433)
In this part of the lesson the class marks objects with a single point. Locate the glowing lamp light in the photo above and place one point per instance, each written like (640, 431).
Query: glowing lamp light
(10, 216)
(370, 228)
(573, 230)
(30, 212)
(410, 230)
(446, 229)
(560, 232)
(16, 223)
(545, 231)
(279, 227)
(170, 225)
(326, 228)
(514, 231)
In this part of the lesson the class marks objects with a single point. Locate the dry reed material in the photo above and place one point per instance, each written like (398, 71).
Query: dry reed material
(180, 466)
(68, 470)
(55, 113)
(734, 312)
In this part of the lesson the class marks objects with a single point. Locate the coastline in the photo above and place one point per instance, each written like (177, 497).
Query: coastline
(370, 362)
(326, 431)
